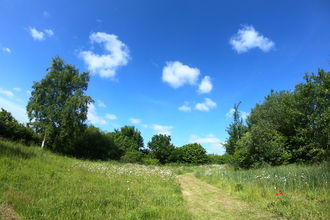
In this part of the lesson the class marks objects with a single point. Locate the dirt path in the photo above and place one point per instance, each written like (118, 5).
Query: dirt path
(7, 213)
(208, 202)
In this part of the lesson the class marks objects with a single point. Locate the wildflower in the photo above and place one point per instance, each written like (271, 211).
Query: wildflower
(280, 192)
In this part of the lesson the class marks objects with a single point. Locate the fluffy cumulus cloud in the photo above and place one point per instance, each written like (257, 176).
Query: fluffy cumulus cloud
(39, 35)
(209, 139)
(7, 93)
(205, 86)
(244, 115)
(248, 38)
(176, 74)
(116, 55)
(17, 89)
(92, 116)
(111, 116)
(185, 107)
(166, 130)
(206, 106)
(135, 121)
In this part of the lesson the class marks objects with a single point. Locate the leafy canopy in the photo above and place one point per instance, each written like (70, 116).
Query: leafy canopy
(58, 105)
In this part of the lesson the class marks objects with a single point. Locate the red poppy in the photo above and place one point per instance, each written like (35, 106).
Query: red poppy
(280, 191)
(276, 194)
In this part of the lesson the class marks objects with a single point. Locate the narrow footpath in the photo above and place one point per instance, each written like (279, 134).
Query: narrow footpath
(205, 201)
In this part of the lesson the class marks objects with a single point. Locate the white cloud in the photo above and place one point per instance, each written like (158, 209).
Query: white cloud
(206, 106)
(7, 93)
(92, 116)
(185, 107)
(209, 139)
(110, 116)
(248, 38)
(177, 74)
(166, 130)
(37, 35)
(244, 115)
(101, 104)
(28, 92)
(230, 113)
(117, 54)
(17, 111)
(206, 85)
(6, 49)
(135, 121)
(46, 14)
(17, 89)
(49, 32)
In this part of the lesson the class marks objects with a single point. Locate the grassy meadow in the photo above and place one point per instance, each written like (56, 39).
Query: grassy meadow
(42, 185)
(38, 184)
(291, 191)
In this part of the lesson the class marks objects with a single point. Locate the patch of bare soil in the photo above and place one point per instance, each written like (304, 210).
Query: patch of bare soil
(208, 202)
(7, 213)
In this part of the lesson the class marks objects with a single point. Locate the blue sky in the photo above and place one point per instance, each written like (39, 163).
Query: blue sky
(171, 67)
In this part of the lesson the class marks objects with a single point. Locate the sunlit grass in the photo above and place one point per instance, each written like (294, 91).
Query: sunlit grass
(293, 191)
(42, 185)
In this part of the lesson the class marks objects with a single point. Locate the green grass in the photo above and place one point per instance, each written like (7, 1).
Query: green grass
(42, 185)
(306, 189)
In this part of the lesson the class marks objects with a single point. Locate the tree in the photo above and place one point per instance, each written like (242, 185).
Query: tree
(236, 130)
(10, 128)
(58, 106)
(97, 145)
(163, 150)
(193, 154)
(313, 110)
(133, 135)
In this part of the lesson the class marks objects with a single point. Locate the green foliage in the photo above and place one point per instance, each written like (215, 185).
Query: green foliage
(132, 157)
(127, 139)
(58, 106)
(219, 159)
(162, 148)
(11, 129)
(96, 145)
(313, 110)
(289, 126)
(150, 161)
(192, 154)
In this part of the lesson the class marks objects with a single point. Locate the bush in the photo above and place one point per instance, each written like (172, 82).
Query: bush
(150, 161)
(132, 157)
(220, 159)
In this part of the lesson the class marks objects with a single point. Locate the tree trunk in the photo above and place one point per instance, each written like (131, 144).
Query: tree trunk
(43, 141)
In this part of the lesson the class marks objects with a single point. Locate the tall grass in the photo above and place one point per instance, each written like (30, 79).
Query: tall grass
(293, 191)
(42, 185)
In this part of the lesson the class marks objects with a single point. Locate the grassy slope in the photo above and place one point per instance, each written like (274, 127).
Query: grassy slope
(42, 185)
(306, 189)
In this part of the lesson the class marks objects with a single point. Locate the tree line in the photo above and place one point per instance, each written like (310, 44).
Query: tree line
(287, 127)
(57, 112)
